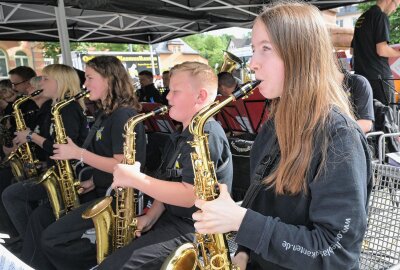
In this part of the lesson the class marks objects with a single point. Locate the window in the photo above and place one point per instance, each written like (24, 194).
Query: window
(339, 23)
(21, 59)
(3, 64)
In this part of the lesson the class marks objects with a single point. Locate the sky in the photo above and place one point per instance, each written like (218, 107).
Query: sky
(236, 31)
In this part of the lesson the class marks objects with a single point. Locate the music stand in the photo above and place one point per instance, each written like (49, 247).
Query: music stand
(256, 107)
(233, 117)
(157, 123)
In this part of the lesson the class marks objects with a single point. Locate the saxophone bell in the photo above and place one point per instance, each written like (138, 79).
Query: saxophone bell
(116, 229)
(60, 180)
(210, 251)
(22, 161)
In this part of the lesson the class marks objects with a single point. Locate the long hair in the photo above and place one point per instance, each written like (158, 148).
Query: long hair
(312, 88)
(67, 81)
(121, 92)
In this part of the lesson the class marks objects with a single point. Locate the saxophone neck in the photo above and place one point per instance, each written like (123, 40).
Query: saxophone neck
(18, 102)
(61, 104)
(196, 126)
(129, 146)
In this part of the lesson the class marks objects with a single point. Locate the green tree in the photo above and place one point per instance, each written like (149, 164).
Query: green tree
(209, 46)
(53, 49)
(394, 21)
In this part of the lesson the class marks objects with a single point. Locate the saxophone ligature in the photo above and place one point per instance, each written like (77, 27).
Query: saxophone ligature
(116, 230)
(209, 251)
(22, 161)
(60, 180)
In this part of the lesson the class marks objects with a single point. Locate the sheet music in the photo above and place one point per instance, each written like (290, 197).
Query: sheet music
(9, 261)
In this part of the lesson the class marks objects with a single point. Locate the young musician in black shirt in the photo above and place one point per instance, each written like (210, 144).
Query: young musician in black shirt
(110, 85)
(307, 205)
(168, 223)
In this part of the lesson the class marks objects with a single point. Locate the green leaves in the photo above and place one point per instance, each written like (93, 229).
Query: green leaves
(209, 46)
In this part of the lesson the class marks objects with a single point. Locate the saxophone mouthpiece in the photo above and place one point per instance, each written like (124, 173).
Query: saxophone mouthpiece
(37, 92)
(161, 110)
(84, 93)
(246, 89)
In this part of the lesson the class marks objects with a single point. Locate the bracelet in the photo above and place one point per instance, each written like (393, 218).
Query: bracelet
(81, 160)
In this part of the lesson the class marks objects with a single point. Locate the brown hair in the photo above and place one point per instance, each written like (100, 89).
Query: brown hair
(121, 91)
(311, 89)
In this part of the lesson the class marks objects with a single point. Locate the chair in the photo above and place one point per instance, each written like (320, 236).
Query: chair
(381, 244)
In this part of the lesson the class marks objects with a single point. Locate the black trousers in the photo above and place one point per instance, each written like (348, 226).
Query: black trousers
(383, 90)
(6, 225)
(151, 249)
(32, 252)
(19, 198)
(39, 220)
(63, 245)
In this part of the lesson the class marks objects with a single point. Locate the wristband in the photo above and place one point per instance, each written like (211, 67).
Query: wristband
(29, 136)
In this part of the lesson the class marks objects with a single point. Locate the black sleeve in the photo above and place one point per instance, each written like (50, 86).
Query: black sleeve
(381, 31)
(28, 109)
(119, 119)
(361, 96)
(337, 213)
(48, 146)
(71, 116)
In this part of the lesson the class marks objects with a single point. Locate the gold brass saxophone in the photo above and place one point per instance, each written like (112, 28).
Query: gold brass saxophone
(116, 230)
(210, 251)
(22, 161)
(60, 181)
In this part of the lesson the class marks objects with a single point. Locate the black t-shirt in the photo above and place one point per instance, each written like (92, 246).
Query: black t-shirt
(360, 93)
(43, 121)
(320, 229)
(371, 28)
(109, 140)
(181, 164)
(74, 121)
(150, 93)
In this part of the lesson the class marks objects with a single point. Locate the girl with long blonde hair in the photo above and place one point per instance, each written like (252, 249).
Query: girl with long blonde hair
(310, 168)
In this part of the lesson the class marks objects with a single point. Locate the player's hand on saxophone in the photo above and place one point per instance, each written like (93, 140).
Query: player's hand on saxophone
(86, 186)
(66, 151)
(125, 175)
(241, 260)
(218, 216)
(20, 137)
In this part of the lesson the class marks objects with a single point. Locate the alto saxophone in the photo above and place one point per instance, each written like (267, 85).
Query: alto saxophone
(210, 251)
(22, 161)
(60, 181)
(116, 230)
